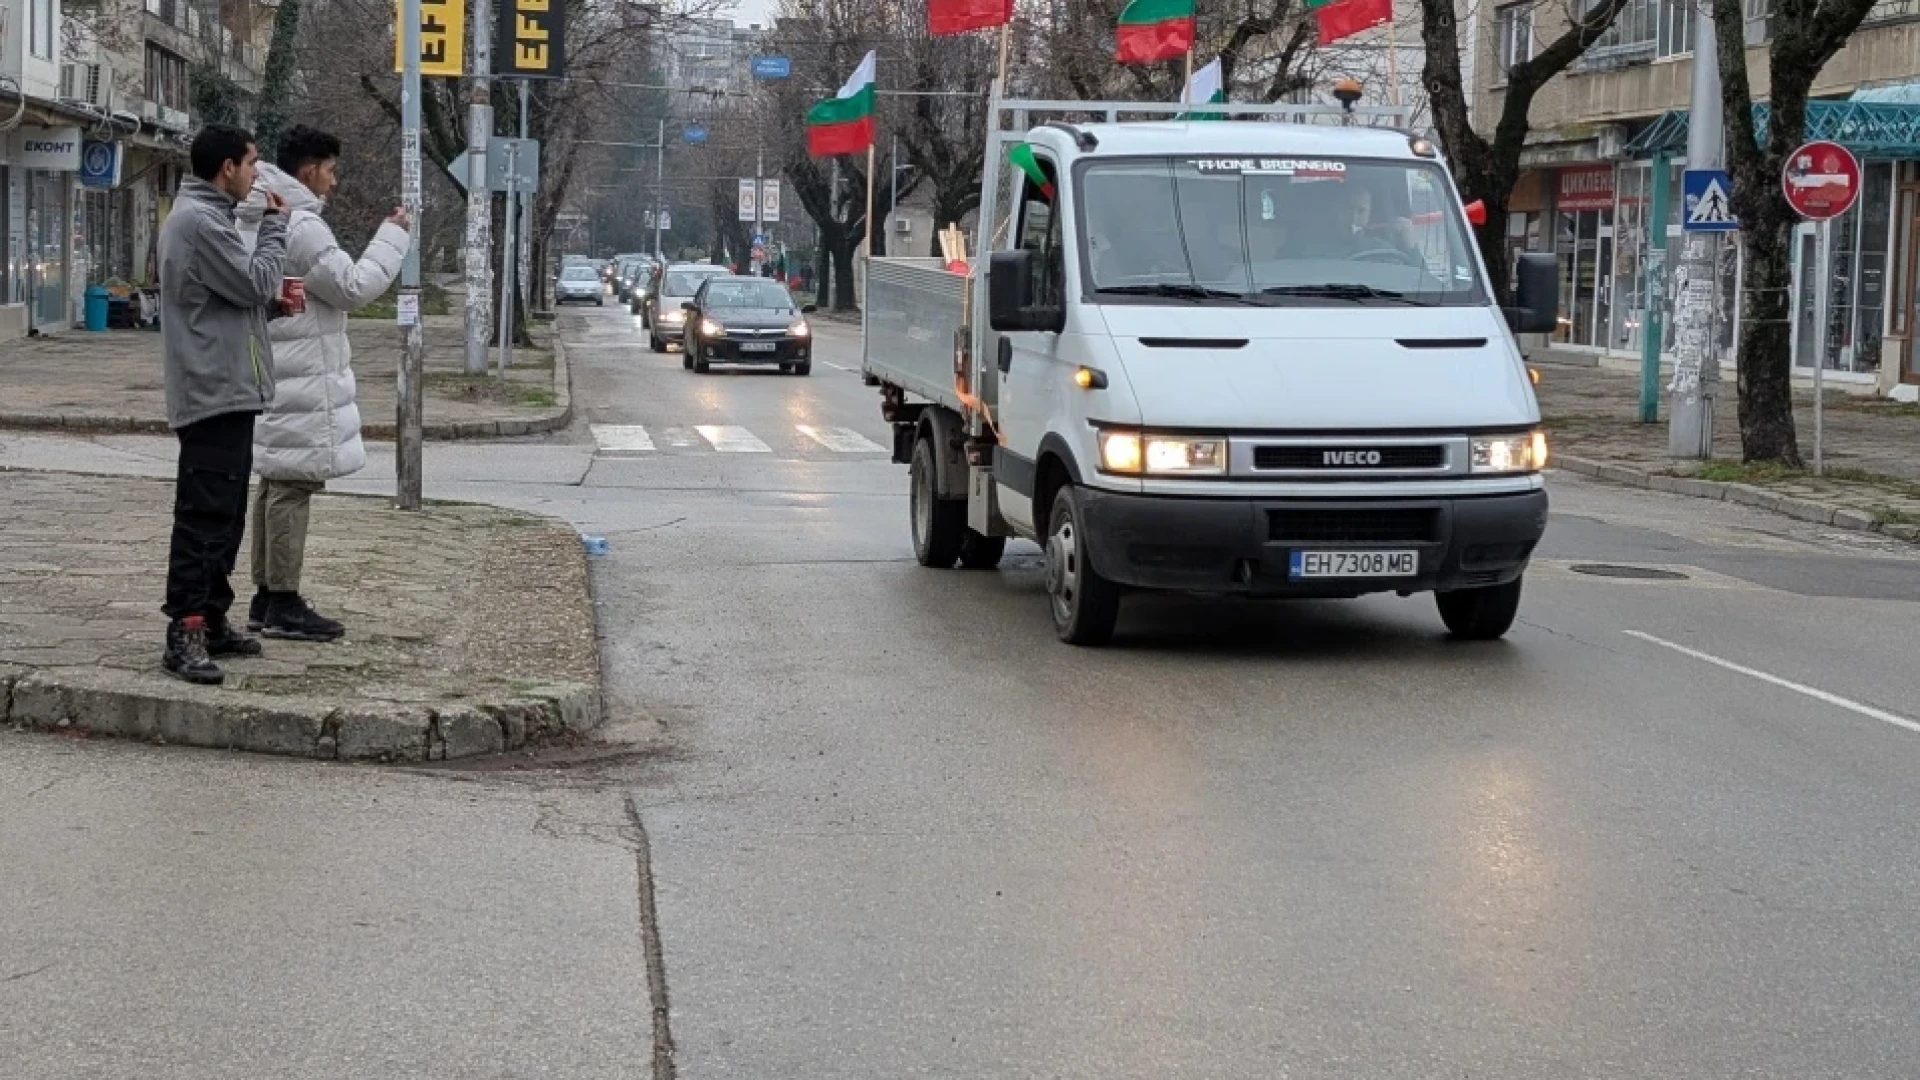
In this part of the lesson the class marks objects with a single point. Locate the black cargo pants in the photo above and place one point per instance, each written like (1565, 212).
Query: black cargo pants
(209, 514)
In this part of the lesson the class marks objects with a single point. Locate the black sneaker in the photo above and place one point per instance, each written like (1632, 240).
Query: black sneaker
(257, 610)
(224, 640)
(186, 658)
(289, 618)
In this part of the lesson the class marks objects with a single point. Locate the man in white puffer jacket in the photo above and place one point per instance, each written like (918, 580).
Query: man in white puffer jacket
(311, 432)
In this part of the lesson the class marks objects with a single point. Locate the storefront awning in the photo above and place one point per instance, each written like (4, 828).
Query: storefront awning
(1868, 128)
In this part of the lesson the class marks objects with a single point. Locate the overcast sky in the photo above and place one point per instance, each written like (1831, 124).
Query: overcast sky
(748, 12)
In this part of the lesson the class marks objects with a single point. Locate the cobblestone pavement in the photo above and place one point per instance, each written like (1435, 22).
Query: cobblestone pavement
(112, 380)
(460, 617)
(1872, 445)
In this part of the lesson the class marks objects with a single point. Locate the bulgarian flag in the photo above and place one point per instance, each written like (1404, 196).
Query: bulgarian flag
(1154, 30)
(1022, 156)
(843, 124)
(959, 16)
(1205, 88)
(1344, 18)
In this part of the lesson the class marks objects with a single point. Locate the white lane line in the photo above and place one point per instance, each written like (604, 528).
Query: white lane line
(1786, 684)
(842, 367)
(732, 440)
(841, 440)
(621, 436)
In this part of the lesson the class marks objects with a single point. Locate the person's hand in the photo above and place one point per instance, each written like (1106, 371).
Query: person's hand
(401, 218)
(276, 204)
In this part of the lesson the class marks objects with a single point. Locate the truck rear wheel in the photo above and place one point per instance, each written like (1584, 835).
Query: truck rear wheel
(1483, 614)
(1085, 605)
(979, 551)
(939, 525)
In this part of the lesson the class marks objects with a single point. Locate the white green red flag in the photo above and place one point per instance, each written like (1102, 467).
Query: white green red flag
(843, 123)
(1206, 88)
(1344, 18)
(1153, 30)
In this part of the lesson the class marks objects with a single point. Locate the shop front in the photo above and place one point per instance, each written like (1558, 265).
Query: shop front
(41, 231)
(1583, 239)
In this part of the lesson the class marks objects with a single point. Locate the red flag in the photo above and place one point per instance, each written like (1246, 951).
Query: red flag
(1345, 18)
(959, 16)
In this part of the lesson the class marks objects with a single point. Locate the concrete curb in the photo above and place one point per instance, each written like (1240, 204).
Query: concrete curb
(555, 419)
(106, 701)
(1744, 494)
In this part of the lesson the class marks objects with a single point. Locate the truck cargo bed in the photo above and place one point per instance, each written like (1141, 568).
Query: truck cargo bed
(914, 310)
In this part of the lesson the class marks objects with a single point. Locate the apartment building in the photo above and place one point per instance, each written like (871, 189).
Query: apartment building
(1611, 130)
(96, 99)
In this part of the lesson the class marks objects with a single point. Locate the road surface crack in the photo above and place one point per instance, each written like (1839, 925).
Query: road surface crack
(663, 1068)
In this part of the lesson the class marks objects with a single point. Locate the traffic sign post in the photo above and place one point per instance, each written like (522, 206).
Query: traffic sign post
(1821, 182)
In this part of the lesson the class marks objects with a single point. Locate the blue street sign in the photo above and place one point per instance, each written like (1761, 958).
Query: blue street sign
(100, 164)
(759, 239)
(694, 133)
(772, 67)
(1707, 201)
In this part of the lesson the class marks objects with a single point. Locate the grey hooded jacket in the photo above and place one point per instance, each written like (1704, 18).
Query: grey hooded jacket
(213, 297)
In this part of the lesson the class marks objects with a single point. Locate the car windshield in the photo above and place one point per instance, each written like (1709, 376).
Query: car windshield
(748, 294)
(1320, 232)
(687, 282)
(579, 273)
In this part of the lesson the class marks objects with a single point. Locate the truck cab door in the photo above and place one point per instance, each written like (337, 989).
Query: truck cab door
(1028, 360)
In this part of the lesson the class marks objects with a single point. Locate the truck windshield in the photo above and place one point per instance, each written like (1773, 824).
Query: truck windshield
(1286, 231)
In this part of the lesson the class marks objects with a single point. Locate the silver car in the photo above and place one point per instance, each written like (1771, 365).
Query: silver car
(677, 284)
(580, 282)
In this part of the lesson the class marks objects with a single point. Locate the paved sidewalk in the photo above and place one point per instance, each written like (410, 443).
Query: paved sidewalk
(470, 628)
(1872, 449)
(111, 381)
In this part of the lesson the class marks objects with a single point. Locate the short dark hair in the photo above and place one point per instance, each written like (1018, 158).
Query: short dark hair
(302, 145)
(216, 145)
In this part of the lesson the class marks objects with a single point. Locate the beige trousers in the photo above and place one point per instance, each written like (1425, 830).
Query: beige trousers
(280, 532)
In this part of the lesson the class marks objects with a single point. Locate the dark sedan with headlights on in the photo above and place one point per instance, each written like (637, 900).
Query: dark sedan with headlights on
(747, 320)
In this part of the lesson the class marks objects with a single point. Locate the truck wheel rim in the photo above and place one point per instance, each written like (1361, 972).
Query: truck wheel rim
(1063, 569)
(922, 504)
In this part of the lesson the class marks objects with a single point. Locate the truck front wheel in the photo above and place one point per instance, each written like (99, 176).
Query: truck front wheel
(939, 525)
(1084, 604)
(1482, 614)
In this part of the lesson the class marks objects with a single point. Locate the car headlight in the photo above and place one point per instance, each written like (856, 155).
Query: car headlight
(800, 328)
(709, 328)
(1525, 452)
(671, 316)
(1163, 455)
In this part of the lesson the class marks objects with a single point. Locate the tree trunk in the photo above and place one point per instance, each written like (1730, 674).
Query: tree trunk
(822, 274)
(1765, 367)
(276, 91)
(843, 253)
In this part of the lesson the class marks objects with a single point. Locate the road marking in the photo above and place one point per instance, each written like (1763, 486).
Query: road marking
(841, 440)
(732, 440)
(842, 367)
(621, 436)
(1786, 684)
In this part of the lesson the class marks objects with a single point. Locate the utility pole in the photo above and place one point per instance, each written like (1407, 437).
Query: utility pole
(759, 209)
(659, 186)
(525, 262)
(479, 239)
(1696, 370)
(412, 346)
(507, 260)
(893, 178)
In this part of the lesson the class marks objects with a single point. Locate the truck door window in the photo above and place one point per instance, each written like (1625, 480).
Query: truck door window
(1040, 232)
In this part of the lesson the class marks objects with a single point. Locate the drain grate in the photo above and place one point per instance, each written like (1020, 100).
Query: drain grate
(1637, 573)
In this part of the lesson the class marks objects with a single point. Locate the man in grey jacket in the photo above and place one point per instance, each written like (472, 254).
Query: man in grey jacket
(219, 376)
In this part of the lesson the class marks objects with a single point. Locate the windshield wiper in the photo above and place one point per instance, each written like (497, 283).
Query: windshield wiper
(1175, 288)
(1342, 291)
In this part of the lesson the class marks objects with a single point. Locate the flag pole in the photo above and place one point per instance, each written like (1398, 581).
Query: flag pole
(869, 221)
(1186, 88)
(1000, 73)
(1393, 52)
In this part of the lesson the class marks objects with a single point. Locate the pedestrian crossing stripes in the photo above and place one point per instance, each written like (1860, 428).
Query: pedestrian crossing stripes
(621, 439)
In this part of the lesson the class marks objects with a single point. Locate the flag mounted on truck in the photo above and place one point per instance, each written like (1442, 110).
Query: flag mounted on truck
(1153, 30)
(1339, 19)
(843, 123)
(959, 16)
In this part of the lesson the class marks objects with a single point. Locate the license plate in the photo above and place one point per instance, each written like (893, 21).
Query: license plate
(756, 346)
(1353, 564)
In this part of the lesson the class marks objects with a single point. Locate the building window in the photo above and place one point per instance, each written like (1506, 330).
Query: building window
(1516, 35)
(166, 78)
(40, 32)
(1676, 28)
(1646, 29)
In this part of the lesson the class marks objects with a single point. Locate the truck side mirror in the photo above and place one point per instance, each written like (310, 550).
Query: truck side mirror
(1010, 303)
(1536, 294)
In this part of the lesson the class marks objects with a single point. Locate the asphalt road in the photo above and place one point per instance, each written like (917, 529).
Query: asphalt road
(1666, 828)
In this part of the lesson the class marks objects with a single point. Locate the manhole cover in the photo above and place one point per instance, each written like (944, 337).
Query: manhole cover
(1638, 573)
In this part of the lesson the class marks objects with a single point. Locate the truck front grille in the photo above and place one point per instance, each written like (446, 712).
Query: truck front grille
(1324, 457)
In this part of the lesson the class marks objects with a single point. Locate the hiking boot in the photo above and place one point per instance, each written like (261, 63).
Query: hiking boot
(224, 640)
(257, 610)
(186, 658)
(288, 617)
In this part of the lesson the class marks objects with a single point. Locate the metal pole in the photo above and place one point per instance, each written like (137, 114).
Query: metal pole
(523, 265)
(507, 264)
(412, 346)
(659, 186)
(1825, 284)
(1653, 304)
(478, 252)
(1689, 428)
(893, 176)
(759, 208)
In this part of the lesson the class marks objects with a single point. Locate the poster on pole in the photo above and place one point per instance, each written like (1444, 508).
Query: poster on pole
(443, 37)
(531, 41)
(770, 200)
(748, 202)
(666, 219)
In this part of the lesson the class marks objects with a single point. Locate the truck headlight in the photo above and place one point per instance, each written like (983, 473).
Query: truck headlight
(1525, 452)
(1162, 455)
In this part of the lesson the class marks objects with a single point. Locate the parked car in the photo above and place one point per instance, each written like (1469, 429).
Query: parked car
(579, 282)
(746, 320)
(674, 285)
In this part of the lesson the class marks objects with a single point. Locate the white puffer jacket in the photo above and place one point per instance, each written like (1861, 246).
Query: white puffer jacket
(312, 429)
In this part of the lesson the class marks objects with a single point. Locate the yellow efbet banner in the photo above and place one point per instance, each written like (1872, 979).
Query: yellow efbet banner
(443, 37)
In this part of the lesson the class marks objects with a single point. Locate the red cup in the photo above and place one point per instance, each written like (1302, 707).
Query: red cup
(293, 295)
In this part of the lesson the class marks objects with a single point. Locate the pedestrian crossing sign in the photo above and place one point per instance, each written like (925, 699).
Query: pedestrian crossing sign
(1707, 204)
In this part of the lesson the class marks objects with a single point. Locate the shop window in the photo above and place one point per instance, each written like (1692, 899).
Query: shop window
(1516, 35)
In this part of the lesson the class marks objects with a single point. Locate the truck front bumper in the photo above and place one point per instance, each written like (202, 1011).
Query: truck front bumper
(1246, 546)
